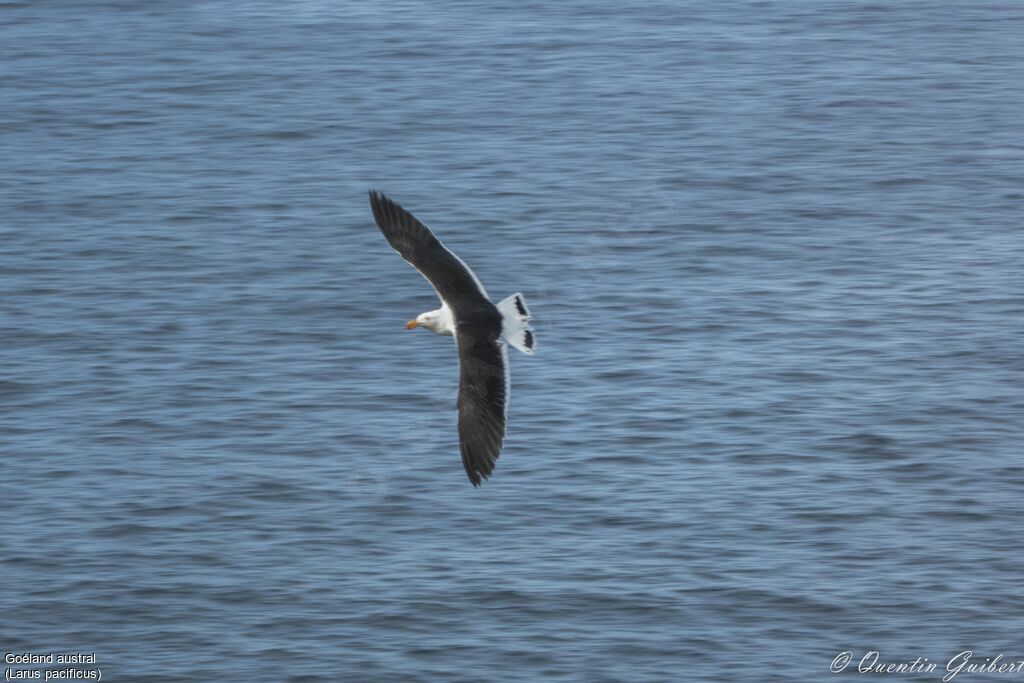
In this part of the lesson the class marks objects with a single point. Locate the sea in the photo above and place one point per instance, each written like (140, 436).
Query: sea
(774, 427)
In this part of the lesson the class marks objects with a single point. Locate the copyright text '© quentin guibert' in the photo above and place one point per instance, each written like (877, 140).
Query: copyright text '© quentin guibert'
(961, 664)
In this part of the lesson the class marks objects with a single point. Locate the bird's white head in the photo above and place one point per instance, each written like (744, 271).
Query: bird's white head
(432, 320)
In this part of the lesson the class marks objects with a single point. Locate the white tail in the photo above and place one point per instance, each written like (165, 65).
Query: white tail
(516, 323)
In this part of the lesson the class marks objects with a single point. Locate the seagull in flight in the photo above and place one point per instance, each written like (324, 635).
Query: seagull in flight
(480, 328)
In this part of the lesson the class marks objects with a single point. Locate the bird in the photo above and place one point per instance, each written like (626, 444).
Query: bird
(481, 330)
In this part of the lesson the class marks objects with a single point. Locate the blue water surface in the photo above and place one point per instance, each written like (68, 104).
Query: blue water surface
(775, 255)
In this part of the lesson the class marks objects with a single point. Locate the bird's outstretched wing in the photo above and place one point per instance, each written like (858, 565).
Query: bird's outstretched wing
(450, 276)
(483, 401)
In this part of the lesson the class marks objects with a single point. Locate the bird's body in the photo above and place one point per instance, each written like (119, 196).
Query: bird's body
(480, 329)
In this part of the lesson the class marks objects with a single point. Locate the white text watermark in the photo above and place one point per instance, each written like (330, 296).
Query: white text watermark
(962, 663)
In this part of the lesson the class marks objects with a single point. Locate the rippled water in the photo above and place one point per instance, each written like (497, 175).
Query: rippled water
(776, 260)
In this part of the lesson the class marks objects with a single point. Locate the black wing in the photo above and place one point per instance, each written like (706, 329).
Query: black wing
(453, 280)
(483, 397)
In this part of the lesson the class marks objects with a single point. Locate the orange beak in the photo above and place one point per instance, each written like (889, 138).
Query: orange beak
(412, 324)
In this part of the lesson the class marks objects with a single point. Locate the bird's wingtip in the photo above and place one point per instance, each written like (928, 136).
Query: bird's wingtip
(475, 477)
(378, 202)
